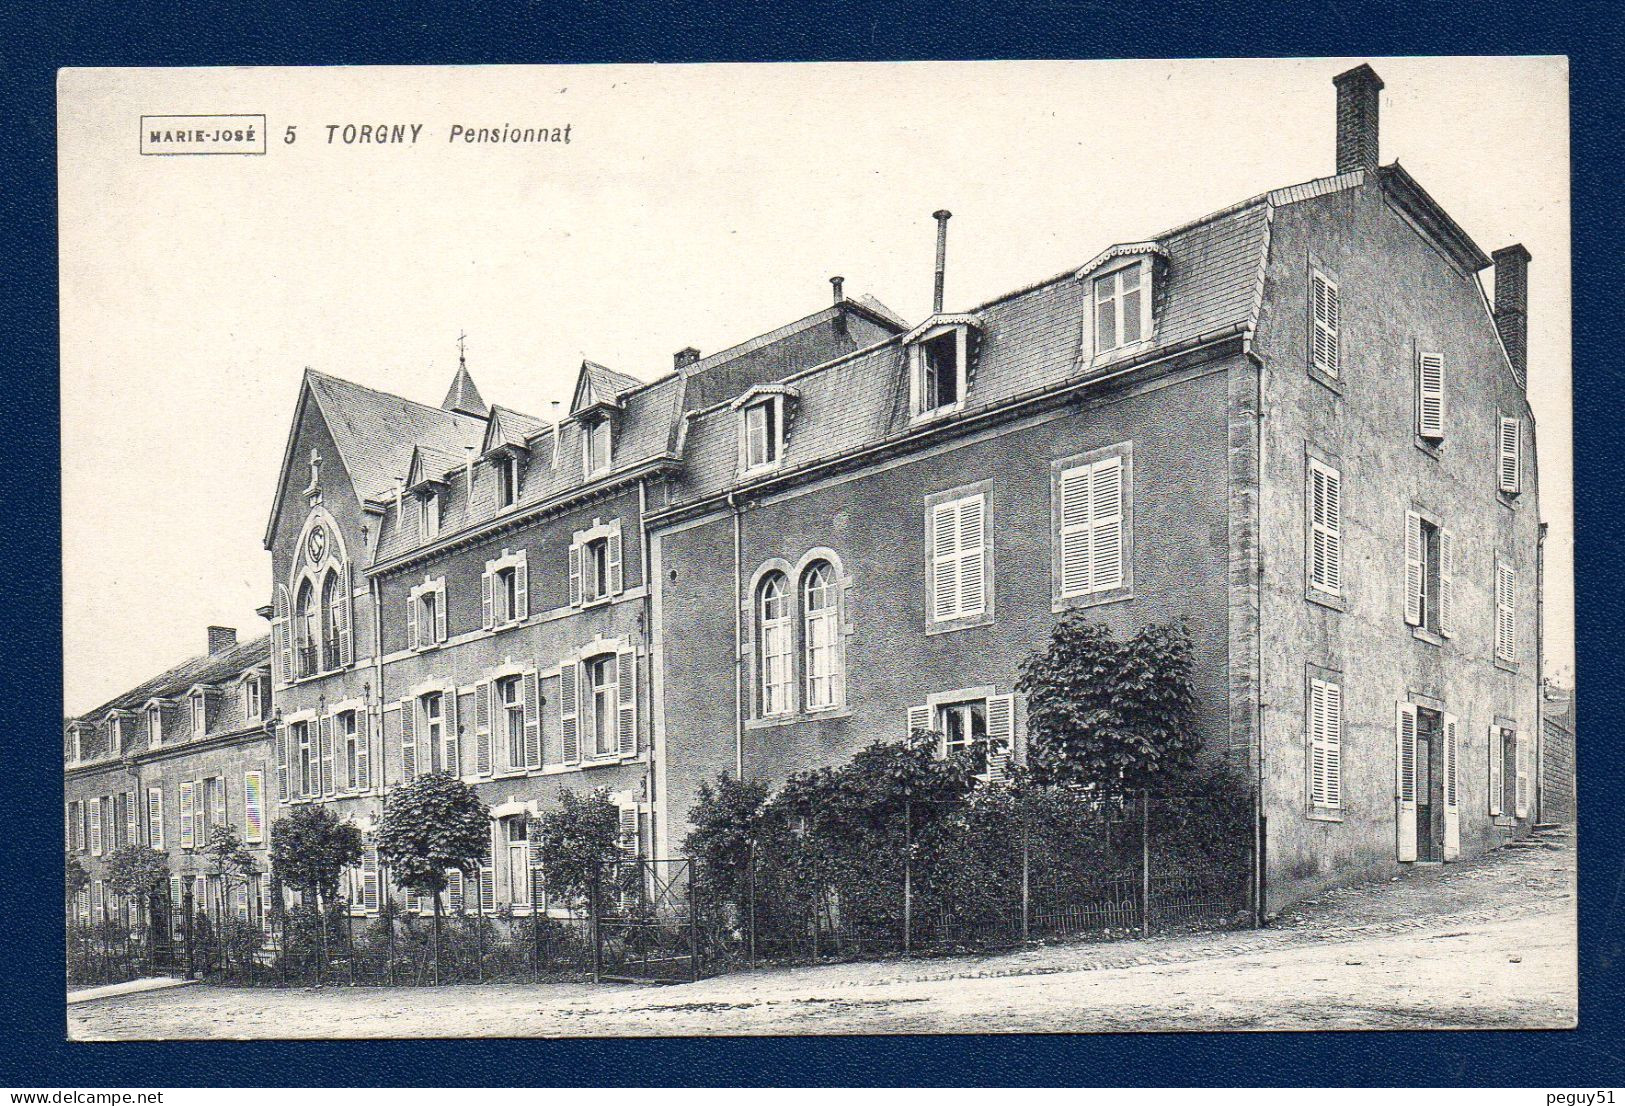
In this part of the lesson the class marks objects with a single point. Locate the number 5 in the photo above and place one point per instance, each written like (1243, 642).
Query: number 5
(289, 136)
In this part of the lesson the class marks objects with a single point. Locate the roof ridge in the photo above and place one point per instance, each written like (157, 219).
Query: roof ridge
(391, 395)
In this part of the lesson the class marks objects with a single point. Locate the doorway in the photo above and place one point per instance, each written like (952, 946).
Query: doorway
(1429, 786)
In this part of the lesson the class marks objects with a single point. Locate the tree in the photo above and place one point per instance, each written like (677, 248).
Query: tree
(431, 825)
(727, 822)
(138, 873)
(76, 879)
(227, 860)
(1110, 715)
(310, 848)
(573, 839)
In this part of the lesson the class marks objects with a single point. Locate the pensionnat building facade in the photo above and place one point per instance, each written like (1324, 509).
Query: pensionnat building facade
(1298, 423)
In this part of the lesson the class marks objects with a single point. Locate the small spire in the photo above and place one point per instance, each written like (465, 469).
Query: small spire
(463, 397)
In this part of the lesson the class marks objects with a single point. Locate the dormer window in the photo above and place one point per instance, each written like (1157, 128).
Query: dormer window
(596, 446)
(199, 715)
(939, 371)
(507, 480)
(762, 434)
(155, 726)
(429, 516)
(1120, 290)
(252, 705)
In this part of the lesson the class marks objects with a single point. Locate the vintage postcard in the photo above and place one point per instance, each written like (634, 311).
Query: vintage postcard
(595, 551)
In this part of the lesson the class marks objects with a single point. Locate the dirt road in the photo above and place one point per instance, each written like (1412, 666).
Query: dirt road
(1487, 943)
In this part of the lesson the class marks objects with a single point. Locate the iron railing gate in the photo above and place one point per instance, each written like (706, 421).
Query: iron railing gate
(646, 922)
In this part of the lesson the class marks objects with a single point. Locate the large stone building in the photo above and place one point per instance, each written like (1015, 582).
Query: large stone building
(167, 761)
(1296, 423)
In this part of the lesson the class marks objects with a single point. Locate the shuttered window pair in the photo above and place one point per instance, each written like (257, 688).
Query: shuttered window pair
(982, 727)
(505, 590)
(1325, 528)
(598, 707)
(155, 817)
(958, 538)
(508, 724)
(1506, 623)
(1509, 772)
(1432, 563)
(1092, 531)
(253, 807)
(1444, 729)
(426, 614)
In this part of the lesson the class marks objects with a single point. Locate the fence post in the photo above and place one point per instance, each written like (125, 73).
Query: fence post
(479, 933)
(592, 922)
(1026, 883)
(908, 874)
(387, 916)
(750, 875)
(349, 940)
(191, 951)
(693, 924)
(1145, 863)
(536, 909)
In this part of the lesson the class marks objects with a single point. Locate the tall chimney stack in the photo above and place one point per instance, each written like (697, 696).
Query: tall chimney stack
(942, 218)
(1512, 305)
(221, 638)
(1357, 94)
(838, 283)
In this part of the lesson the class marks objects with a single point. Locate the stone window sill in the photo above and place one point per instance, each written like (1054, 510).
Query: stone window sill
(1324, 814)
(1324, 598)
(1422, 633)
(1325, 379)
(1092, 599)
(948, 625)
(771, 721)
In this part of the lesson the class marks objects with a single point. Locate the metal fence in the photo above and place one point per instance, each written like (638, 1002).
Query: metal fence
(984, 881)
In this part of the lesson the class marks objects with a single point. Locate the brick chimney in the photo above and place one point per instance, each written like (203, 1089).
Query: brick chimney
(221, 638)
(1512, 305)
(1357, 94)
(684, 357)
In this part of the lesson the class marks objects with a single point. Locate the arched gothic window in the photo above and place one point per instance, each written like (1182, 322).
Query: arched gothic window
(820, 603)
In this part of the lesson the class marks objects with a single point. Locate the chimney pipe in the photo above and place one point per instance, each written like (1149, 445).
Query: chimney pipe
(1512, 305)
(684, 357)
(221, 638)
(838, 283)
(1357, 96)
(942, 218)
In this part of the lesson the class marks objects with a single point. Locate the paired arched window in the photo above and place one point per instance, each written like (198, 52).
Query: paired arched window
(307, 629)
(810, 612)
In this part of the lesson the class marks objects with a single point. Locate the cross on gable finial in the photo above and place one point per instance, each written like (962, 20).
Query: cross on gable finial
(462, 345)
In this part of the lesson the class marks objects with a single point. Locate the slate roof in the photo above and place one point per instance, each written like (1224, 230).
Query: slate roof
(1029, 340)
(510, 427)
(375, 431)
(432, 464)
(601, 384)
(210, 668)
(463, 396)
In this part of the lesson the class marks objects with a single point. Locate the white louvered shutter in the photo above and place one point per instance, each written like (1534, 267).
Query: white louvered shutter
(569, 712)
(627, 705)
(613, 552)
(347, 635)
(919, 719)
(1326, 528)
(341, 621)
(132, 819)
(451, 724)
(532, 691)
(1074, 536)
(363, 748)
(944, 566)
(1414, 553)
(575, 574)
(285, 638)
(482, 728)
(1001, 736)
(97, 901)
(440, 612)
(487, 607)
(188, 828)
(218, 801)
(629, 842)
(1106, 524)
(1506, 626)
(1447, 583)
(454, 890)
(488, 876)
(253, 807)
(369, 879)
(1325, 743)
(409, 741)
(1405, 756)
(96, 827)
(1452, 772)
(412, 639)
(1510, 467)
(1326, 322)
(1521, 795)
(971, 555)
(521, 589)
(1430, 395)
(1495, 770)
(155, 817)
(282, 763)
(324, 751)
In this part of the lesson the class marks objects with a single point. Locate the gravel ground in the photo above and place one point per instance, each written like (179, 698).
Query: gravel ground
(1485, 943)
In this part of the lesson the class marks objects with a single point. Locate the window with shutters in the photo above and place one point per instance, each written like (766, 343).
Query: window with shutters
(959, 558)
(1092, 527)
(1430, 571)
(347, 733)
(1325, 512)
(596, 571)
(1325, 326)
(253, 807)
(516, 839)
(511, 721)
(306, 766)
(1430, 410)
(775, 651)
(1509, 456)
(307, 630)
(432, 711)
(426, 614)
(506, 590)
(1506, 622)
(820, 619)
(973, 722)
(1324, 741)
(155, 817)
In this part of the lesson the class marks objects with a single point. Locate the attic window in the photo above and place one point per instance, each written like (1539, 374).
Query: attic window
(763, 430)
(429, 515)
(596, 446)
(507, 480)
(1121, 308)
(937, 371)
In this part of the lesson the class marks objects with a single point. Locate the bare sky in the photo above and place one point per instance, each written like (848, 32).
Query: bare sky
(694, 205)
